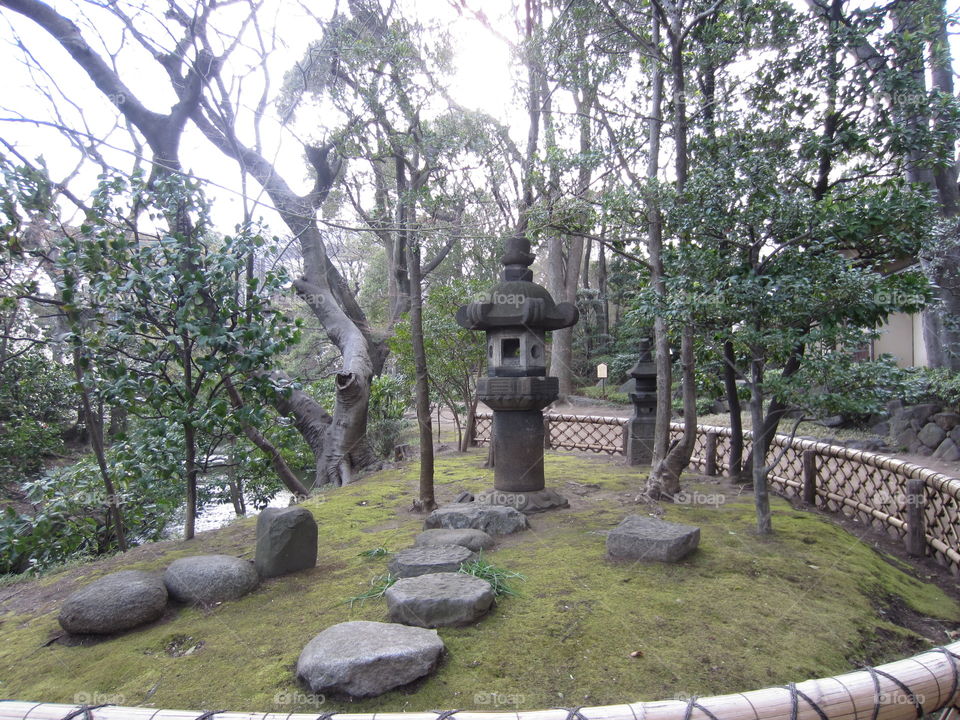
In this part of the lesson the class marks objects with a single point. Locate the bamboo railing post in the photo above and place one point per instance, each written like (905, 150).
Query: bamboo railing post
(710, 450)
(809, 477)
(916, 539)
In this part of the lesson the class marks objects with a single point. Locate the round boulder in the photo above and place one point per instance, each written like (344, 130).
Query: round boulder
(114, 603)
(429, 559)
(209, 579)
(365, 659)
(439, 599)
(475, 540)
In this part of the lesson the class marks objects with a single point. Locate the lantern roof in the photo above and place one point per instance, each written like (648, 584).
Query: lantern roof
(517, 301)
(645, 366)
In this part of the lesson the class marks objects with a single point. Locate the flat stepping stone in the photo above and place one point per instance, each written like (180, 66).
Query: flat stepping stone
(429, 559)
(439, 599)
(475, 540)
(365, 659)
(114, 603)
(492, 519)
(210, 579)
(286, 541)
(640, 537)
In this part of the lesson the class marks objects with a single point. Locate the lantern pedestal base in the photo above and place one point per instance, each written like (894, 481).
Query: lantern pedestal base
(638, 441)
(529, 503)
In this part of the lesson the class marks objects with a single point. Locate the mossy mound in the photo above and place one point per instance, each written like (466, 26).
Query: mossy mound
(740, 613)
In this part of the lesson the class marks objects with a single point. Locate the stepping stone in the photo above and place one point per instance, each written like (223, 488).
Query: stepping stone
(209, 579)
(492, 519)
(286, 541)
(429, 559)
(439, 599)
(365, 659)
(475, 540)
(640, 537)
(114, 603)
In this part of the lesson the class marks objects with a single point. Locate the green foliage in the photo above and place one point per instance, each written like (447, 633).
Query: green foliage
(836, 384)
(68, 515)
(939, 385)
(389, 400)
(610, 395)
(455, 357)
(498, 578)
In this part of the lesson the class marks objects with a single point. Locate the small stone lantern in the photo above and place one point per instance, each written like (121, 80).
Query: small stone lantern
(516, 314)
(640, 434)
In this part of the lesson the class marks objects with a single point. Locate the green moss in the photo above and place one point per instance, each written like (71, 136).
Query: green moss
(740, 613)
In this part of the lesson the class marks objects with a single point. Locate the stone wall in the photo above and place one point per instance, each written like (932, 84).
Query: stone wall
(922, 430)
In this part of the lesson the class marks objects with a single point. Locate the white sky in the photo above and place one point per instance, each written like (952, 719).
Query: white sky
(483, 81)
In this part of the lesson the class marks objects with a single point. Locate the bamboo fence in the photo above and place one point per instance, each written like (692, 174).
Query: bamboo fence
(908, 502)
(915, 687)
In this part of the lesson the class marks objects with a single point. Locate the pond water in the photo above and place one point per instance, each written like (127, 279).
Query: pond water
(216, 515)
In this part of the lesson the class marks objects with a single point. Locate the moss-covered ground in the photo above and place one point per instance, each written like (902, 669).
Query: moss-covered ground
(741, 612)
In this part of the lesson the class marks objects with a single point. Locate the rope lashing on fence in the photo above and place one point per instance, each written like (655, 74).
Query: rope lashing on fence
(573, 713)
(795, 696)
(693, 704)
(85, 710)
(209, 714)
(907, 692)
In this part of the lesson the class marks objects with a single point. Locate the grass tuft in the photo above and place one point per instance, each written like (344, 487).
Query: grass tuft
(378, 588)
(496, 576)
(372, 553)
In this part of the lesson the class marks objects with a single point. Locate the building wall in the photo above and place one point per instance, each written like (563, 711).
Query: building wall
(902, 337)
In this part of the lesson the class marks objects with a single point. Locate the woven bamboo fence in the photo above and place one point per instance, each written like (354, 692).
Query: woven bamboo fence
(910, 503)
(903, 690)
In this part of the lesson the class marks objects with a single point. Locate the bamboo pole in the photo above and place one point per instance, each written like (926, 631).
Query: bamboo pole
(931, 677)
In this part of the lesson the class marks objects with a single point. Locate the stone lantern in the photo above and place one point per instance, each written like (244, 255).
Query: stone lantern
(640, 428)
(516, 314)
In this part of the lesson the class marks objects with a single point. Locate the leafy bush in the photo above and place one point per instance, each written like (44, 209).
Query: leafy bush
(592, 391)
(389, 400)
(938, 385)
(35, 402)
(837, 384)
(68, 514)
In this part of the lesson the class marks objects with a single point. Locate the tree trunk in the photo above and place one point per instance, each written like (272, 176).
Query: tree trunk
(761, 442)
(602, 290)
(678, 457)
(95, 433)
(661, 338)
(424, 421)
(470, 424)
(286, 475)
(735, 410)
